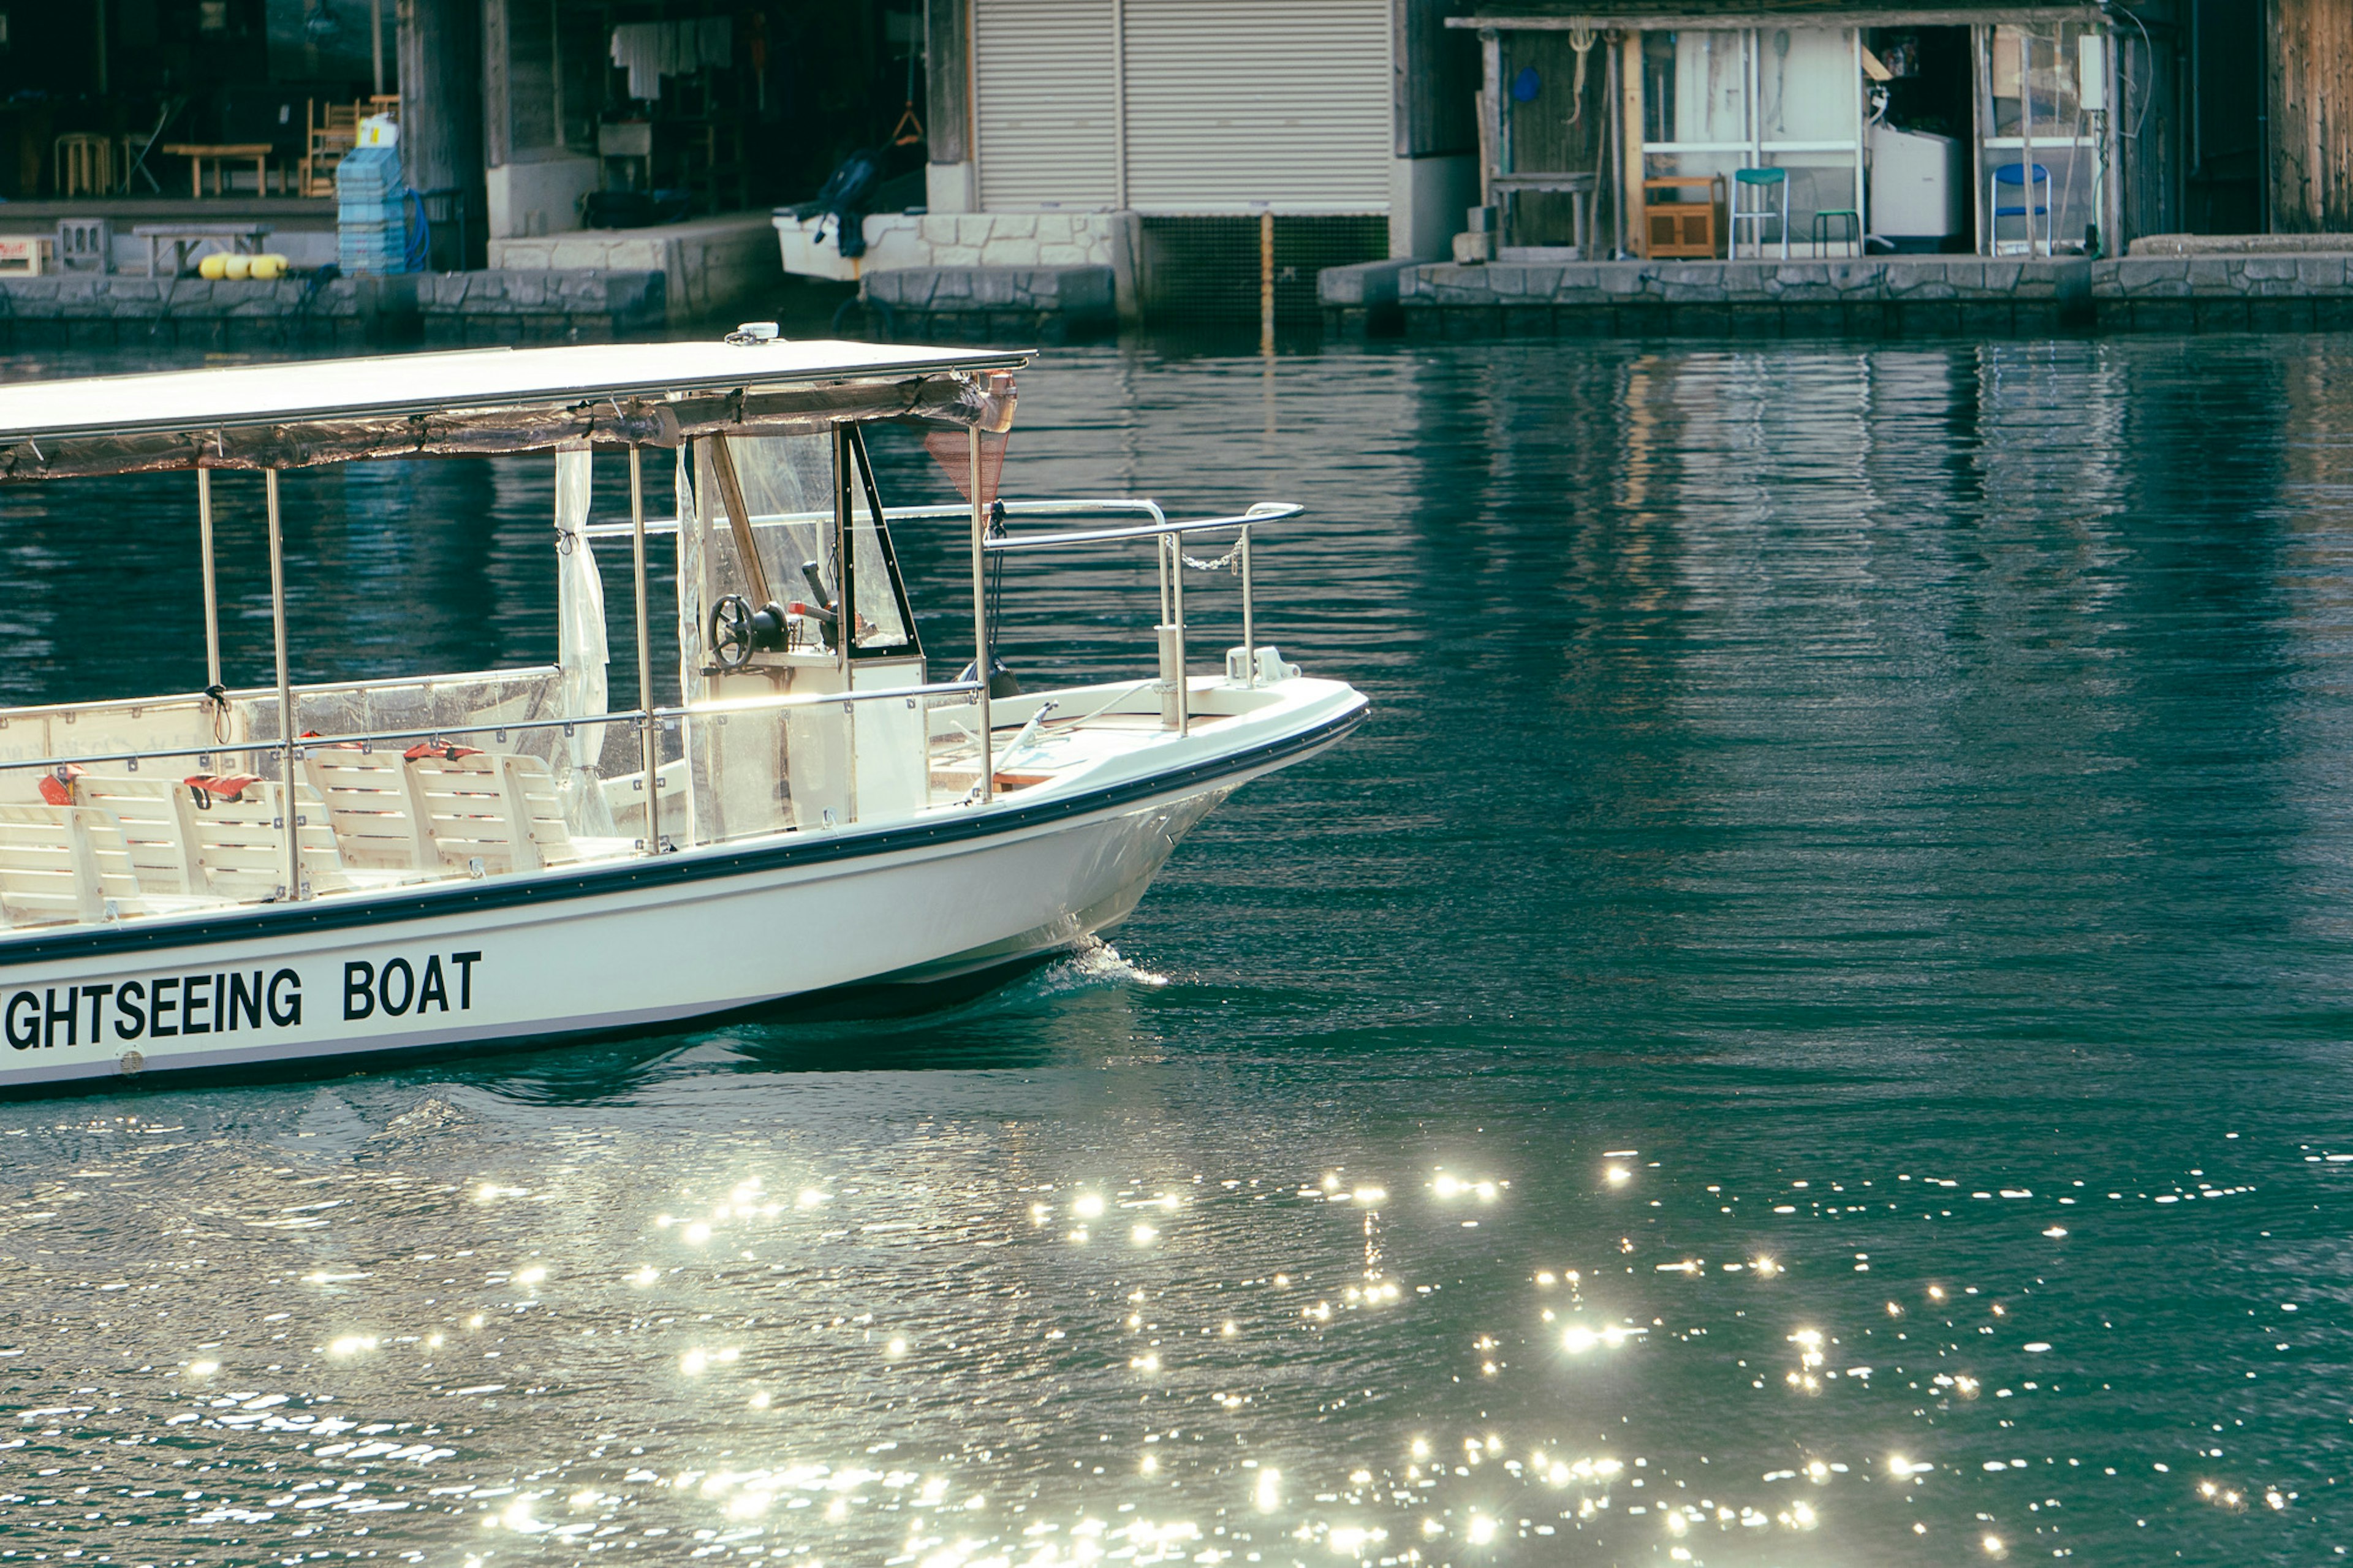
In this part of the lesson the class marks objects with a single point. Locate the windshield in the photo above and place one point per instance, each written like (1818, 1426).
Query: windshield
(789, 490)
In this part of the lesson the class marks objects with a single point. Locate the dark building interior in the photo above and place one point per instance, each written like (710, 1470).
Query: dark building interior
(779, 94)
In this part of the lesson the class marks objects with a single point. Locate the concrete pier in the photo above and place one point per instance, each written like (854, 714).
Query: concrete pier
(1870, 297)
(711, 265)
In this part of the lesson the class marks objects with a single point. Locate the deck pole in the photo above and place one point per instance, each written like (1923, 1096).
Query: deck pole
(845, 583)
(286, 737)
(648, 745)
(1176, 631)
(212, 590)
(980, 612)
(1250, 646)
(845, 559)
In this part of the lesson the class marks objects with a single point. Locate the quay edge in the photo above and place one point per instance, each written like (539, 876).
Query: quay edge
(1901, 296)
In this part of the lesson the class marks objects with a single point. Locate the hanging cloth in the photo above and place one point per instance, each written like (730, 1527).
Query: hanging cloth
(650, 51)
(638, 49)
(581, 652)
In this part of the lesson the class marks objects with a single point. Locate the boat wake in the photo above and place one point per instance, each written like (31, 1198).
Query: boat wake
(1092, 964)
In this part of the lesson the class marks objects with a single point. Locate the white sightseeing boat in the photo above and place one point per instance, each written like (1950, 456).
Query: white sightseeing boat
(469, 859)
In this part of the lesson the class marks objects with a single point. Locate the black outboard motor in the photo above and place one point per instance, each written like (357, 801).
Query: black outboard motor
(846, 193)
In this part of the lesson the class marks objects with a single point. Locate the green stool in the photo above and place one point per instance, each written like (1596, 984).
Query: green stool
(1761, 185)
(1848, 220)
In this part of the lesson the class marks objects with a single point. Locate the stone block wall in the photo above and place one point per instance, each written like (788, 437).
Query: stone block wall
(897, 241)
(1873, 296)
(710, 264)
(87, 309)
(968, 303)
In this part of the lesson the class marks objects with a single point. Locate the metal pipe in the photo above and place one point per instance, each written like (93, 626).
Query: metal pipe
(286, 736)
(980, 612)
(1160, 544)
(1250, 640)
(731, 705)
(845, 615)
(657, 526)
(212, 588)
(648, 749)
(844, 620)
(1177, 623)
(1265, 512)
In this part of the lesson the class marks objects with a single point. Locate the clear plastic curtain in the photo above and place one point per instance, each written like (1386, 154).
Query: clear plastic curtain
(581, 651)
(692, 685)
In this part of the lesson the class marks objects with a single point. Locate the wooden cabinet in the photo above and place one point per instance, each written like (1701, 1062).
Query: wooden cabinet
(1677, 227)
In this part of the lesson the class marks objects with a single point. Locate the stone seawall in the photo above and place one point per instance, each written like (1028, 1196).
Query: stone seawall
(1873, 296)
(992, 304)
(444, 309)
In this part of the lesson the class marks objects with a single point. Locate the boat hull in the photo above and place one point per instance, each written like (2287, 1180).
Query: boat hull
(641, 944)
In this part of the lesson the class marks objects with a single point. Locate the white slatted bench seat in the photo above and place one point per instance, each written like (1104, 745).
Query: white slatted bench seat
(222, 849)
(503, 811)
(63, 864)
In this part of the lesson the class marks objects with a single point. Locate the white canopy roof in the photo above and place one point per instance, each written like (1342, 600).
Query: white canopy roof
(395, 384)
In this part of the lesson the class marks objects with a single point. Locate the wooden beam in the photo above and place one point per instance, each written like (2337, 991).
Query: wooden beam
(1631, 224)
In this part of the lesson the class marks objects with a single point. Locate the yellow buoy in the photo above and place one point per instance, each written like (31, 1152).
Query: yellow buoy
(236, 265)
(213, 265)
(270, 264)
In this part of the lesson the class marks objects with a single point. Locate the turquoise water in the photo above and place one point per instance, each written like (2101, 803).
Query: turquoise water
(1808, 1029)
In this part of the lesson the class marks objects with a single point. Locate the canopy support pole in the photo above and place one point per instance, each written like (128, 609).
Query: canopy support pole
(845, 583)
(845, 563)
(648, 747)
(212, 590)
(980, 612)
(286, 738)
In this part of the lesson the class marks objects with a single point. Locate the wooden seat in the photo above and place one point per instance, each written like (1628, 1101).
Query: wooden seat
(63, 864)
(87, 164)
(503, 811)
(334, 130)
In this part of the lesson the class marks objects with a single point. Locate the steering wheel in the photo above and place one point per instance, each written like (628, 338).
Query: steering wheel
(731, 632)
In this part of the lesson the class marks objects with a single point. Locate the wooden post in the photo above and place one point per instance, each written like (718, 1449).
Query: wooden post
(1266, 283)
(1634, 228)
(1490, 111)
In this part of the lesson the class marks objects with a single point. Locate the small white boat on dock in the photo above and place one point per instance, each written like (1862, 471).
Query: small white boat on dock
(223, 877)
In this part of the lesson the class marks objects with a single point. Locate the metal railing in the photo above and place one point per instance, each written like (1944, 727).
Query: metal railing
(649, 720)
(1176, 704)
(1172, 627)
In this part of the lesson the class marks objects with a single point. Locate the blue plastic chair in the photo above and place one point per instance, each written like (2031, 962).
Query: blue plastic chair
(2029, 206)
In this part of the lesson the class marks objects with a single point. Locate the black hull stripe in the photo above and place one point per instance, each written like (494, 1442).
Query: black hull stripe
(797, 851)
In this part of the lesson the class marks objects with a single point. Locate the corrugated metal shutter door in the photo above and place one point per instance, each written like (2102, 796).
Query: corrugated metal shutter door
(1236, 102)
(1044, 104)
